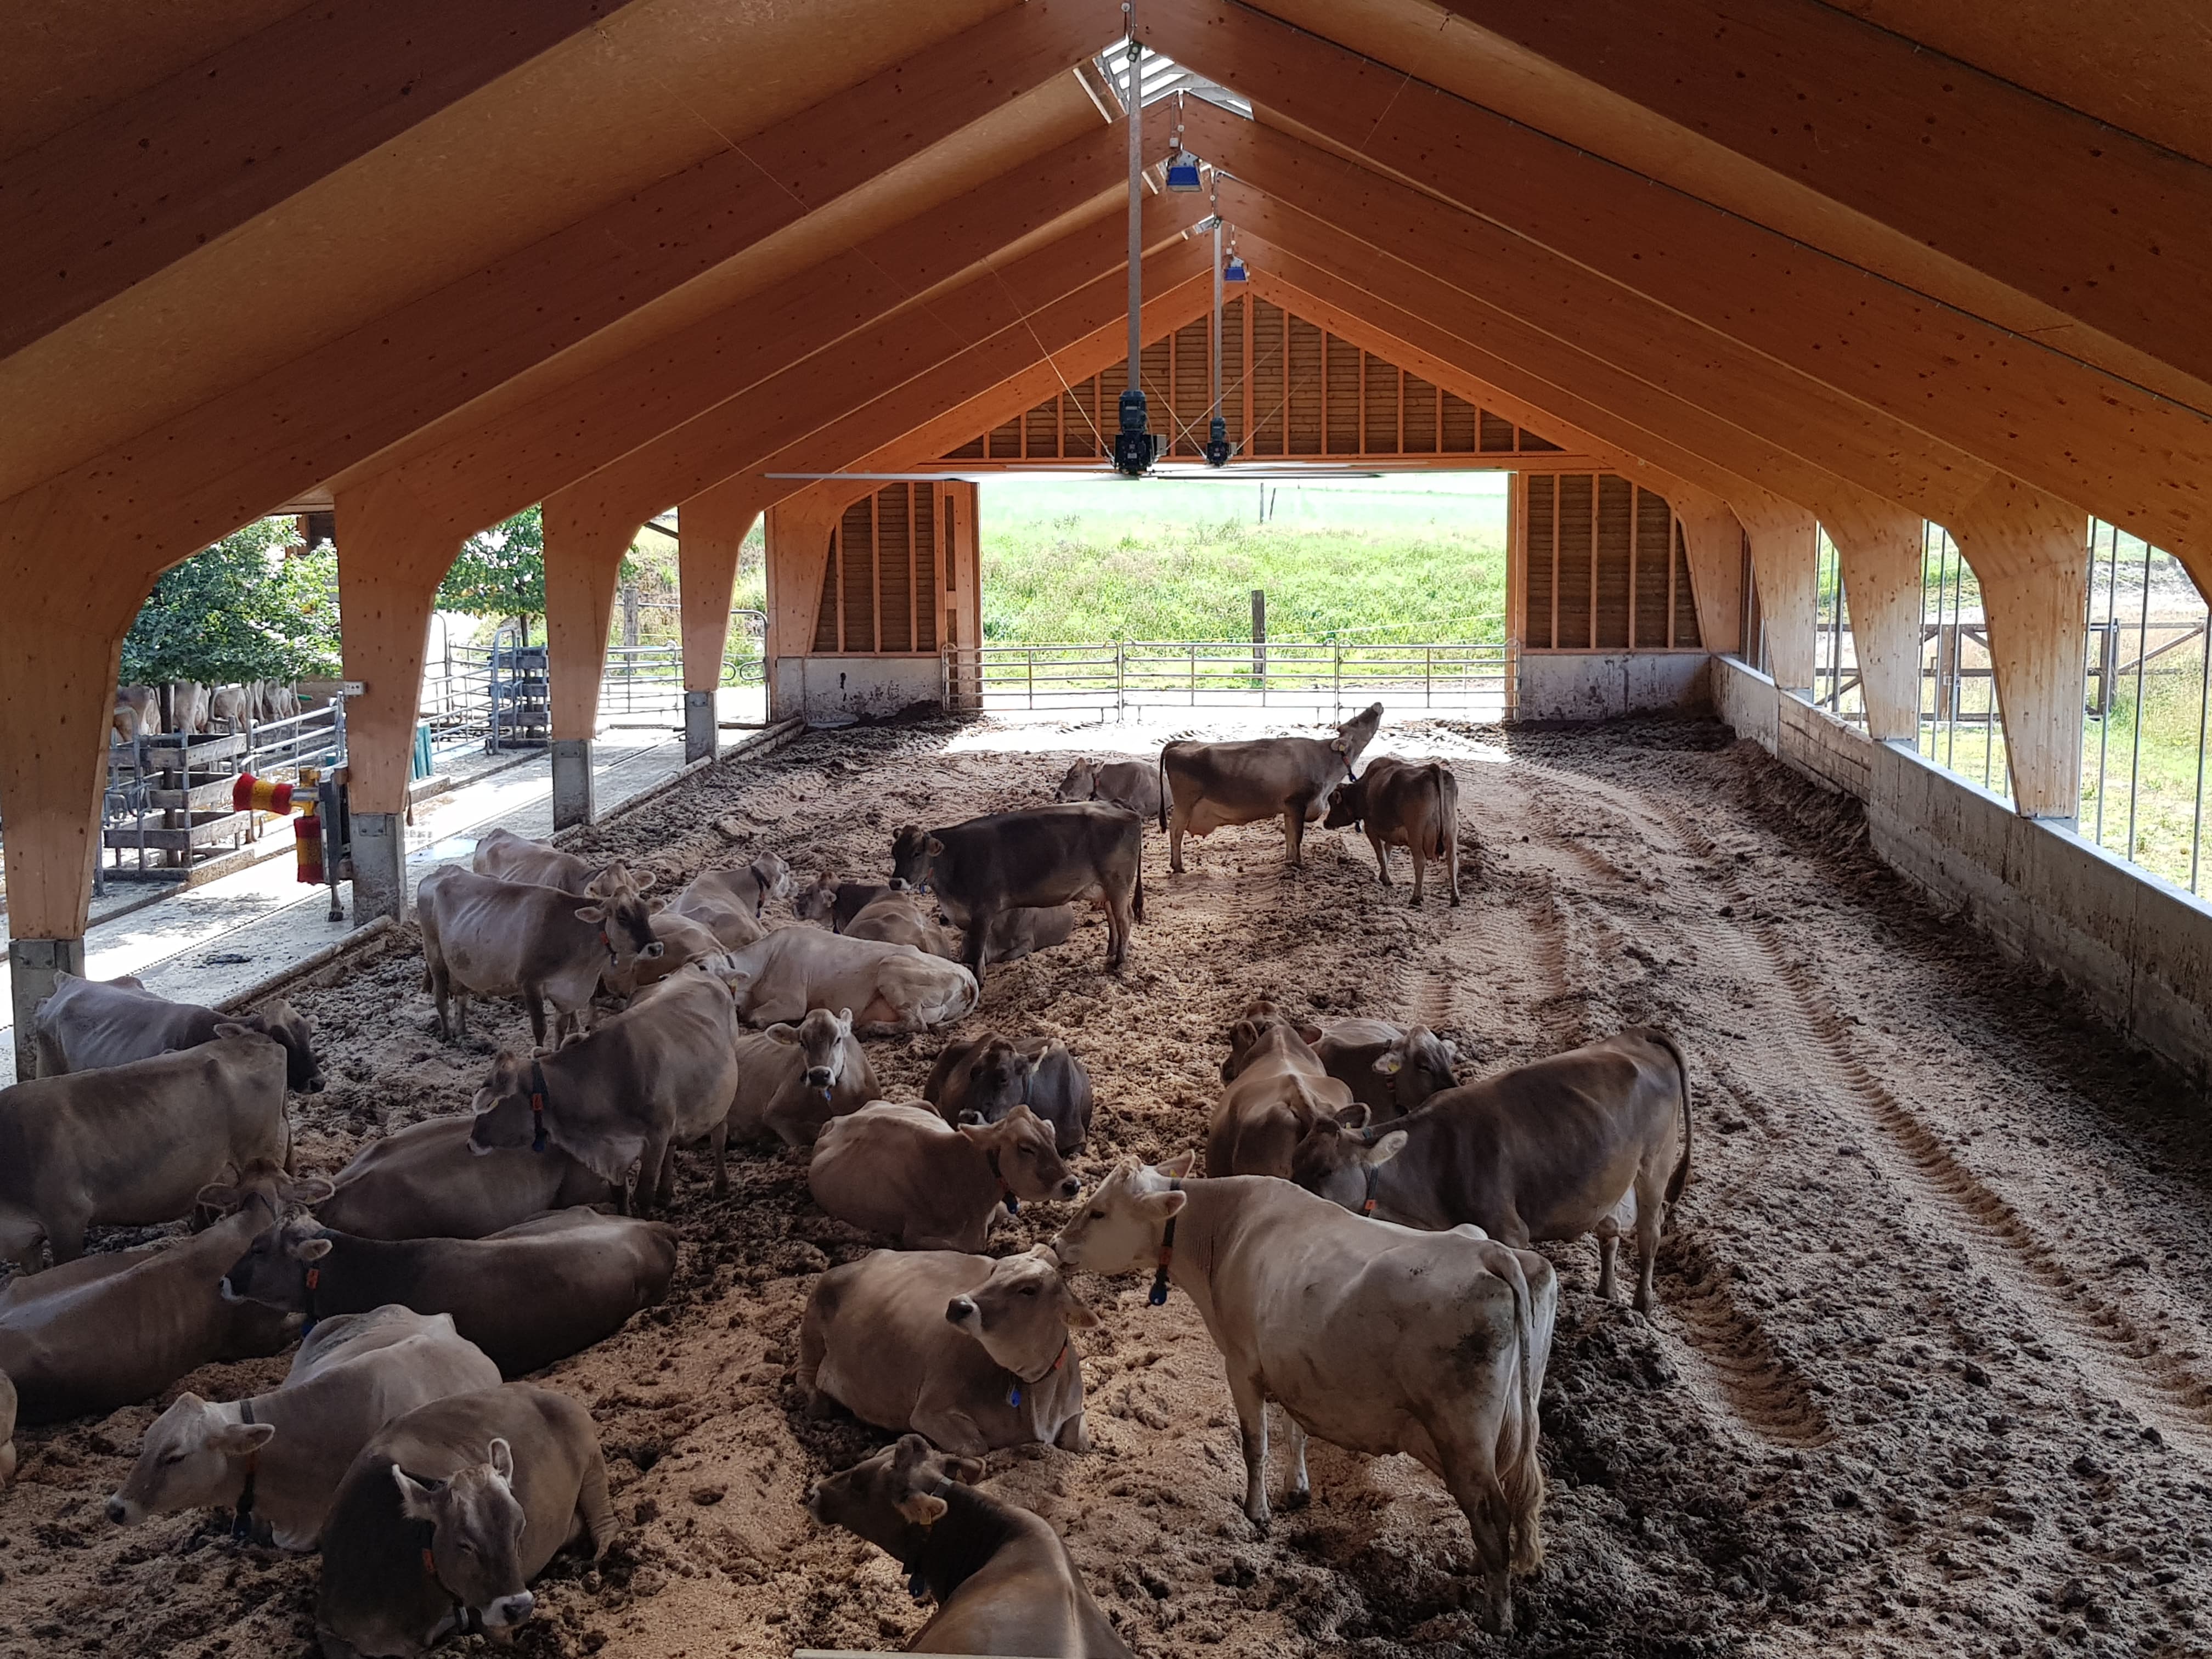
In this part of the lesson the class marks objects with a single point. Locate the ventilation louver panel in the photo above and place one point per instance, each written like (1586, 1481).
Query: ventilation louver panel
(880, 590)
(1604, 568)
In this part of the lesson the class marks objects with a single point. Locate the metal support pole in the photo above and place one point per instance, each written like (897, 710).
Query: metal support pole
(1135, 111)
(1215, 413)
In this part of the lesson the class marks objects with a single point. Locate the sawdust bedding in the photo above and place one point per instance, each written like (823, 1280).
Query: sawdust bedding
(1928, 1375)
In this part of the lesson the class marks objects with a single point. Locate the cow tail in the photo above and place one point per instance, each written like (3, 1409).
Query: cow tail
(1681, 1178)
(1137, 898)
(1527, 1550)
(1163, 779)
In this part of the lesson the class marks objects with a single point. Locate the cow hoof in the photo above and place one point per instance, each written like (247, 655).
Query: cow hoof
(1296, 1497)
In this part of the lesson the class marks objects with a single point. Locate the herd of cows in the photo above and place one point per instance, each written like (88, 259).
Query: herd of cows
(1357, 1248)
(191, 708)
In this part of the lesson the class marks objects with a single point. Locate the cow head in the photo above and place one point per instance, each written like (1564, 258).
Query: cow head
(1081, 782)
(914, 850)
(475, 1525)
(623, 915)
(1353, 736)
(819, 902)
(1022, 1148)
(1254, 1032)
(1022, 1313)
(1118, 1232)
(303, 1071)
(998, 1081)
(193, 1458)
(887, 1498)
(274, 1269)
(1419, 1065)
(1347, 804)
(504, 1119)
(1335, 1155)
(260, 1183)
(772, 879)
(821, 1039)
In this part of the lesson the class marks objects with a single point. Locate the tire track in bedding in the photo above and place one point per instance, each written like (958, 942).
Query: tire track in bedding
(1733, 1357)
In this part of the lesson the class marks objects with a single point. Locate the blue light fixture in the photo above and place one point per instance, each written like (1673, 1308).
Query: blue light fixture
(1183, 171)
(1234, 272)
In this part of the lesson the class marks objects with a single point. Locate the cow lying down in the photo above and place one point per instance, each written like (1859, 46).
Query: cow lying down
(904, 1171)
(890, 989)
(89, 1023)
(447, 1514)
(1274, 1091)
(1001, 1578)
(791, 1080)
(1377, 1338)
(973, 1352)
(427, 1181)
(986, 1078)
(275, 1459)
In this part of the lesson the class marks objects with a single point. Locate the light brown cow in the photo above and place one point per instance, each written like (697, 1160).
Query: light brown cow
(132, 1145)
(502, 853)
(1565, 1147)
(1409, 804)
(733, 902)
(972, 1353)
(1131, 785)
(144, 702)
(904, 1171)
(503, 1478)
(900, 916)
(791, 1080)
(662, 1072)
(1210, 785)
(1002, 1579)
(89, 1023)
(1274, 1088)
(1390, 1069)
(684, 940)
(485, 936)
(425, 1182)
(1377, 1338)
(890, 989)
(276, 1459)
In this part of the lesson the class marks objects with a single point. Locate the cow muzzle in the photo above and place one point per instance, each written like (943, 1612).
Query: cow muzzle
(122, 1512)
(1070, 1187)
(227, 1290)
(960, 1310)
(509, 1611)
(818, 1077)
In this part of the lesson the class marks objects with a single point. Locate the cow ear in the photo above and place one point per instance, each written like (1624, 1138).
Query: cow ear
(845, 1022)
(934, 847)
(655, 906)
(1242, 1033)
(309, 1190)
(1179, 1165)
(1165, 1206)
(1311, 1034)
(312, 1249)
(416, 1501)
(783, 1034)
(1354, 1117)
(218, 1195)
(244, 1439)
(921, 1508)
(502, 1459)
(1385, 1149)
(1338, 744)
(1079, 1316)
(911, 1449)
(1389, 1062)
(231, 1027)
(968, 1471)
(594, 914)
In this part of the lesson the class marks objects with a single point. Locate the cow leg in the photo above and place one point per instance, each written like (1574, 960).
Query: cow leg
(534, 1001)
(1470, 1473)
(1650, 1211)
(65, 1237)
(720, 1141)
(1382, 859)
(1451, 861)
(1294, 835)
(21, 1235)
(658, 1166)
(1118, 923)
(1252, 1430)
(461, 1015)
(440, 988)
(1299, 1493)
(1178, 824)
(1608, 1246)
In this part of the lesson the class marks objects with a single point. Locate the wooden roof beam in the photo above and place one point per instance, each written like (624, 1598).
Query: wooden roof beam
(2132, 457)
(2096, 222)
(105, 203)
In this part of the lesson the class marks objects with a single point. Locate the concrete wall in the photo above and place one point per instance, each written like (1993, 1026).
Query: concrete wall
(1596, 685)
(2138, 948)
(832, 691)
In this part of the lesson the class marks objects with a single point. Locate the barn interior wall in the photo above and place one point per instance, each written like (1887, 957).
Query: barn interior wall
(2135, 947)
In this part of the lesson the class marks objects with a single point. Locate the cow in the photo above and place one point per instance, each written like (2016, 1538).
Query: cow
(901, 1171)
(183, 707)
(527, 1295)
(900, 916)
(1209, 785)
(132, 1145)
(720, 898)
(662, 1072)
(791, 1080)
(972, 1353)
(683, 939)
(1027, 929)
(1390, 1069)
(1564, 1147)
(1273, 1089)
(485, 936)
(982, 1079)
(108, 1330)
(422, 1183)
(1002, 1579)
(889, 987)
(1409, 804)
(1043, 856)
(88, 1022)
(229, 707)
(449, 1513)
(1377, 1338)
(144, 703)
(275, 1459)
(1131, 785)
(501, 853)
(835, 901)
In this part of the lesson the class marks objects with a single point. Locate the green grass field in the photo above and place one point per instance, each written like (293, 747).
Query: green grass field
(1403, 558)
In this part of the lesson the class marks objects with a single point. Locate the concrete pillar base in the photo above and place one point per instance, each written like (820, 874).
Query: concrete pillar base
(32, 965)
(572, 781)
(700, 738)
(379, 865)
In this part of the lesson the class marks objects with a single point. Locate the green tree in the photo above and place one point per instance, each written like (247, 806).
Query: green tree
(240, 610)
(500, 571)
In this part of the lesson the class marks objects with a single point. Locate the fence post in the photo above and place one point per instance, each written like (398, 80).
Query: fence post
(1120, 681)
(1428, 676)
(1259, 639)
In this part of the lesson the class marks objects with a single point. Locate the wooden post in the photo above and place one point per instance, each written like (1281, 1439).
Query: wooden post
(1878, 553)
(1782, 555)
(584, 549)
(713, 526)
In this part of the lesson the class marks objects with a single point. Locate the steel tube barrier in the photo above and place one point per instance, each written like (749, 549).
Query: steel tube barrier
(1450, 677)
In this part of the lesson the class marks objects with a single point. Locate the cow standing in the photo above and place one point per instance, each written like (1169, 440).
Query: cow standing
(1409, 804)
(1045, 856)
(1377, 1338)
(1581, 1143)
(1207, 786)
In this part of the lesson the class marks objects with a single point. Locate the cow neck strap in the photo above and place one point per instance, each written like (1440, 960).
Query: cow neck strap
(537, 1105)
(1367, 1204)
(314, 1283)
(1167, 1253)
(241, 1522)
(1006, 1193)
(1014, 1394)
(917, 1581)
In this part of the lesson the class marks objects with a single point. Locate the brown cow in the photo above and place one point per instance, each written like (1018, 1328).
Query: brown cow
(426, 1182)
(901, 1171)
(1390, 1069)
(1582, 1142)
(1275, 1089)
(1003, 1580)
(791, 1080)
(509, 857)
(982, 1079)
(1213, 784)
(1409, 804)
(1131, 785)
(728, 903)
(900, 916)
